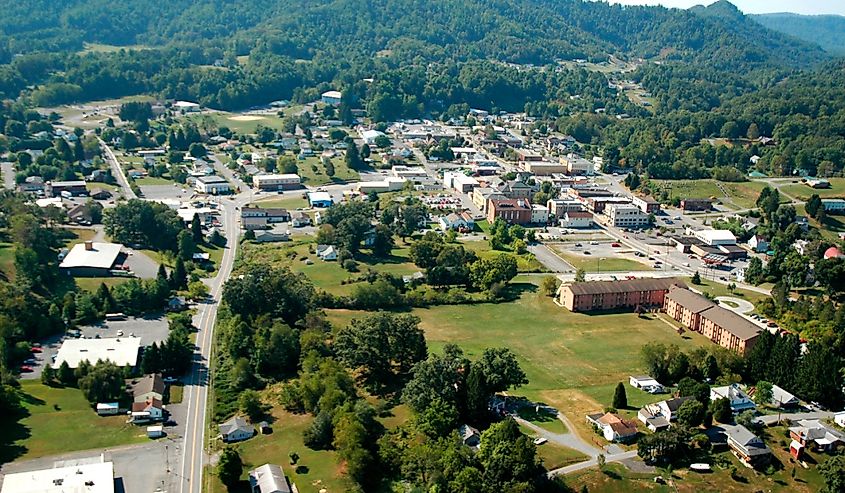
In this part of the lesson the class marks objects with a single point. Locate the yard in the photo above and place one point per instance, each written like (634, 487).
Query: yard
(313, 173)
(61, 420)
(91, 284)
(525, 262)
(741, 195)
(803, 192)
(242, 124)
(7, 259)
(288, 202)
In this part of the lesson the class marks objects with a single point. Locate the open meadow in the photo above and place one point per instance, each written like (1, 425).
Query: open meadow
(741, 195)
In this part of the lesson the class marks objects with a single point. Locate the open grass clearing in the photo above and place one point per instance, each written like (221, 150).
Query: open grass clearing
(61, 420)
(236, 122)
(525, 262)
(741, 195)
(147, 181)
(77, 235)
(313, 172)
(285, 202)
(803, 192)
(107, 48)
(718, 289)
(543, 419)
(7, 259)
(597, 263)
(91, 284)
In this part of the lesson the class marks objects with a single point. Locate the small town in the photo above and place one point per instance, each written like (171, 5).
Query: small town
(341, 289)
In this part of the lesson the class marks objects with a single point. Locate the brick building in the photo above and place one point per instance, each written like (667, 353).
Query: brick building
(612, 295)
(513, 211)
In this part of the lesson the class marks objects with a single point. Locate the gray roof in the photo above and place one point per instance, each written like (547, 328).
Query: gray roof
(689, 300)
(745, 440)
(234, 424)
(611, 287)
(736, 324)
(268, 478)
(675, 404)
(148, 383)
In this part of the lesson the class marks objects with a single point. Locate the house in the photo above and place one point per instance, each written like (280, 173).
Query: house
(813, 434)
(653, 420)
(470, 436)
(539, 214)
(147, 387)
(783, 399)
(416, 277)
(320, 199)
(512, 211)
(149, 410)
(646, 384)
(611, 295)
(268, 478)
(371, 136)
(576, 220)
(327, 253)
(271, 237)
(667, 409)
(80, 214)
(276, 182)
(300, 219)
(331, 97)
(236, 429)
(758, 244)
(613, 427)
(691, 205)
(746, 446)
(176, 304)
(100, 194)
(839, 418)
(108, 408)
(212, 185)
(457, 222)
(739, 400)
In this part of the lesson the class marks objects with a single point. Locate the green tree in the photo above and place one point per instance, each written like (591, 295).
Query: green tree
(48, 376)
(353, 158)
(580, 275)
(65, 375)
(763, 393)
(477, 396)
(249, 403)
(197, 290)
(179, 276)
(549, 285)
(696, 278)
(229, 467)
(104, 383)
(620, 398)
(196, 229)
(186, 245)
(691, 413)
(833, 472)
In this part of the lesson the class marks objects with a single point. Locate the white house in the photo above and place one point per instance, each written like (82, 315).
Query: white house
(300, 219)
(739, 399)
(613, 427)
(469, 435)
(539, 214)
(236, 429)
(327, 253)
(758, 244)
(839, 418)
(658, 415)
(576, 220)
(782, 398)
(151, 410)
(331, 97)
(454, 221)
(370, 136)
(646, 383)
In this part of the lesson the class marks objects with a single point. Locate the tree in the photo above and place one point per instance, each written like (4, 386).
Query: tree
(620, 398)
(65, 374)
(179, 276)
(696, 278)
(763, 393)
(48, 375)
(477, 396)
(753, 132)
(318, 436)
(197, 290)
(580, 275)
(353, 158)
(488, 271)
(438, 419)
(196, 229)
(833, 472)
(229, 467)
(754, 272)
(665, 446)
(365, 151)
(382, 241)
(691, 413)
(501, 369)
(746, 419)
(813, 205)
(104, 383)
(186, 245)
(549, 285)
(250, 404)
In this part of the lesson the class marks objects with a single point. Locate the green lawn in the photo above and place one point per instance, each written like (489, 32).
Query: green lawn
(545, 420)
(7, 260)
(290, 203)
(741, 195)
(320, 469)
(93, 283)
(719, 289)
(554, 456)
(61, 420)
(803, 192)
(77, 235)
(153, 180)
(524, 263)
(595, 263)
(105, 48)
(318, 176)
(242, 124)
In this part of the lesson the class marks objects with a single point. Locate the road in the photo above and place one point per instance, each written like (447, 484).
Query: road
(200, 379)
(117, 171)
(550, 260)
(8, 170)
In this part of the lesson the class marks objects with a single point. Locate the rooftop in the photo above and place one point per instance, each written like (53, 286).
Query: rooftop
(207, 180)
(122, 351)
(268, 478)
(85, 478)
(92, 254)
(737, 324)
(689, 300)
(610, 287)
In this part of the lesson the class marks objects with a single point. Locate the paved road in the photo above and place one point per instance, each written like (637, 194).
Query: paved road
(550, 259)
(743, 306)
(117, 170)
(774, 418)
(8, 170)
(197, 383)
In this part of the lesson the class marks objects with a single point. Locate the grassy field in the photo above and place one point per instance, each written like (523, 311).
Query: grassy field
(153, 180)
(104, 48)
(595, 263)
(7, 260)
(61, 420)
(524, 263)
(93, 283)
(803, 192)
(242, 124)
(313, 173)
(741, 195)
(718, 289)
(554, 456)
(78, 235)
(319, 470)
(545, 420)
(289, 202)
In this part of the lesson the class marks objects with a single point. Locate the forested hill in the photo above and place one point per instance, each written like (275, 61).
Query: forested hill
(520, 31)
(828, 31)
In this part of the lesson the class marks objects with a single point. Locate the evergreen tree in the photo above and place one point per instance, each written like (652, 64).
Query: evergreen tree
(48, 375)
(65, 374)
(196, 229)
(179, 276)
(477, 395)
(620, 398)
(353, 157)
(230, 467)
(696, 278)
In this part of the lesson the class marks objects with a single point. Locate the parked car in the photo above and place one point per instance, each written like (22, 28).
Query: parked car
(36, 350)
(26, 369)
(615, 245)
(540, 441)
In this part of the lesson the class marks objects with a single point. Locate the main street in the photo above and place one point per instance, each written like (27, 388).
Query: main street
(117, 171)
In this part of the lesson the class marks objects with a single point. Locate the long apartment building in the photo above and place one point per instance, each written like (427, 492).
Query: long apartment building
(613, 295)
(720, 325)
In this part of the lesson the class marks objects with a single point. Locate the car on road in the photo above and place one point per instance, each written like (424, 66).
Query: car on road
(119, 333)
(170, 379)
(26, 369)
(578, 245)
(540, 441)
(36, 349)
(639, 254)
(615, 245)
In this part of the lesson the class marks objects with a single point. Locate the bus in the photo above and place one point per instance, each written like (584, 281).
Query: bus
(115, 316)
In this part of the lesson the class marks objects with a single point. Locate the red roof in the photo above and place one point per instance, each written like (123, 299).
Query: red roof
(832, 252)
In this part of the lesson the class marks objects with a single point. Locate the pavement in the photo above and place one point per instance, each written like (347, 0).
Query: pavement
(742, 306)
(550, 259)
(8, 170)
(141, 265)
(774, 418)
(117, 170)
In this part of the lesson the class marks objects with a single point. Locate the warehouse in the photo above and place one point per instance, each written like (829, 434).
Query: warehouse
(122, 351)
(93, 259)
(88, 478)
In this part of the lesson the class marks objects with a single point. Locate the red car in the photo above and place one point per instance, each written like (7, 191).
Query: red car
(36, 350)
(615, 245)
(26, 369)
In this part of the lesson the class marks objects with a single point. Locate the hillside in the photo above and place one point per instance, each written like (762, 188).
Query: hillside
(520, 31)
(827, 31)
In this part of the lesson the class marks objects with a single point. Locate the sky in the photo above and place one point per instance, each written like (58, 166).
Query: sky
(757, 6)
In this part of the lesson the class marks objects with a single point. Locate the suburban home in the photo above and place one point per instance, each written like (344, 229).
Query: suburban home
(815, 435)
(151, 410)
(100, 194)
(176, 304)
(270, 237)
(457, 222)
(612, 295)
(470, 436)
(646, 384)
(327, 253)
(80, 214)
(416, 277)
(269, 478)
(108, 408)
(576, 220)
(300, 219)
(758, 244)
(746, 446)
(783, 399)
(147, 387)
(739, 400)
(236, 429)
(652, 420)
(839, 418)
(613, 427)
(667, 410)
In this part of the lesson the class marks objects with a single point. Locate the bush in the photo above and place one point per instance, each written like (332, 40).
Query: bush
(350, 265)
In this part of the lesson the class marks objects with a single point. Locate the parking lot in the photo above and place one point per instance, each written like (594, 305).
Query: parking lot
(150, 329)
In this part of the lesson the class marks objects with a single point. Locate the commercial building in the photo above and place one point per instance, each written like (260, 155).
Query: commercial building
(557, 207)
(577, 165)
(459, 181)
(544, 168)
(275, 182)
(715, 237)
(370, 136)
(693, 205)
(331, 97)
(122, 351)
(539, 214)
(834, 206)
(212, 185)
(389, 184)
(599, 204)
(612, 295)
(320, 199)
(576, 220)
(260, 218)
(95, 477)
(516, 189)
(625, 216)
(75, 188)
(527, 155)
(513, 211)
(93, 259)
(646, 204)
(409, 172)
(481, 195)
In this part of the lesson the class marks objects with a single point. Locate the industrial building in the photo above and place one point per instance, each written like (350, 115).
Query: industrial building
(122, 351)
(81, 478)
(212, 185)
(276, 182)
(93, 259)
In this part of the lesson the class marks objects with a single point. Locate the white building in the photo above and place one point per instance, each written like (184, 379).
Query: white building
(122, 351)
(81, 478)
(409, 172)
(625, 216)
(276, 182)
(389, 184)
(331, 97)
(576, 220)
(577, 165)
(739, 400)
(459, 181)
(269, 478)
(715, 237)
(539, 214)
(186, 106)
(92, 258)
(212, 185)
(370, 136)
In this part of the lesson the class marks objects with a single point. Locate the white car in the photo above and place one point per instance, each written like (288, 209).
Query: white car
(540, 441)
(119, 333)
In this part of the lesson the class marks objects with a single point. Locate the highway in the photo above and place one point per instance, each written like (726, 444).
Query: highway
(117, 171)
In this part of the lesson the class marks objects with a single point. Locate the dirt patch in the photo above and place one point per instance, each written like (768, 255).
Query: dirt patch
(246, 118)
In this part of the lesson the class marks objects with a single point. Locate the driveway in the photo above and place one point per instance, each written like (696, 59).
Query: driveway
(142, 265)
(550, 259)
(773, 418)
(742, 306)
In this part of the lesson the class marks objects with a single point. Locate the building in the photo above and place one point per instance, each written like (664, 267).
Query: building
(409, 172)
(612, 295)
(212, 185)
(577, 165)
(513, 211)
(300, 219)
(527, 155)
(739, 400)
(715, 237)
(839, 418)
(186, 106)
(326, 253)
(692, 205)
(276, 182)
(613, 427)
(236, 429)
(646, 384)
(599, 204)
(667, 409)
(539, 214)
(557, 207)
(84, 477)
(122, 351)
(150, 410)
(271, 237)
(331, 97)
(834, 206)
(470, 436)
(577, 220)
(815, 435)
(480, 195)
(625, 216)
(459, 181)
(147, 387)
(389, 184)
(457, 222)
(93, 259)
(370, 136)
(108, 408)
(758, 244)
(646, 204)
(516, 189)
(269, 478)
(74, 188)
(320, 199)
(746, 446)
(783, 399)
(544, 168)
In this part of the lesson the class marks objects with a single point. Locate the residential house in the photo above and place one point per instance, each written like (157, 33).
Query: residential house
(150, 410)
(100, 194)
(783, 399)
(839, 418)
(327, 253)
(611, 295)
(269, 478)
(270, 237)
(746, 446)
(815, 435)
(147, 387)
(739, 400)
(470, 436)
(236, 429)
(80, 214)
(457, 222)
(758, 244)
(646, 384)
(576, 220)
(654, 415)
(613, 427)
(539, 214)
(176, 304)
(300, 219)
(653, 420)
